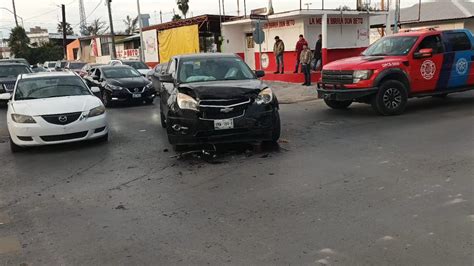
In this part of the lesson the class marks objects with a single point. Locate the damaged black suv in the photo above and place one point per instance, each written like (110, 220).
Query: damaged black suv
(216, 98)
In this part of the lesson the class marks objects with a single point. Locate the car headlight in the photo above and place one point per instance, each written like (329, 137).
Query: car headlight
(115, 88)
(99, 110)
(23, 119)
(265, 96)
(187, 102)
(362, 75)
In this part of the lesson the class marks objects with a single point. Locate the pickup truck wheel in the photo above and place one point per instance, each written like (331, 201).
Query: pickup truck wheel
(391, 98)
(337, 104)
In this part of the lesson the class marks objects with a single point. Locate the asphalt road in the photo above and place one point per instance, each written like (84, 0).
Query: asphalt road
(344, 188)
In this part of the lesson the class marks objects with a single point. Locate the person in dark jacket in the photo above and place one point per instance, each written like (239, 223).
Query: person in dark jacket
(278, 50)
(299, 47)
(317, 53)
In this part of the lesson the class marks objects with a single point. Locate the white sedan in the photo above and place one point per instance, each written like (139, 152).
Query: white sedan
(54, 108)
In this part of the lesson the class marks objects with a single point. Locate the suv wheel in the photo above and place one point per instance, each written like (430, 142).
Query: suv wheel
(391, 98)
(337, 104)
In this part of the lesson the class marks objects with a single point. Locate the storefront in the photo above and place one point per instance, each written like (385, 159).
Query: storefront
(345, 34)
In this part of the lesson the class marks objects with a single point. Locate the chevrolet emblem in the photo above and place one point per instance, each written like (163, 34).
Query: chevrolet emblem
(227, 110)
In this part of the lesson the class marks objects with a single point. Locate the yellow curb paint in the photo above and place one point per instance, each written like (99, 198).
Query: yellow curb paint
(9, 244)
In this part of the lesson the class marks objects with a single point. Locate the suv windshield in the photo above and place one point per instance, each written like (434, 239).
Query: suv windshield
(210, 69)
(12, 71)
(396, 45)
(120, 72)
(76, 65)
(136, 65)
(49, 87)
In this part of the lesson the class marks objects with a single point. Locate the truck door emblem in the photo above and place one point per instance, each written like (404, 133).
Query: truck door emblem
(428, 69)
(461, 66)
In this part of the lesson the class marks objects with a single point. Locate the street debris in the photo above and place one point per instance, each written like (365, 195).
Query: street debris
(120, 207)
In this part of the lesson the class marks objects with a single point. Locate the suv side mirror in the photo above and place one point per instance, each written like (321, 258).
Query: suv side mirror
(259, 73)
(424, 53)
(5, 96)
(167, 78)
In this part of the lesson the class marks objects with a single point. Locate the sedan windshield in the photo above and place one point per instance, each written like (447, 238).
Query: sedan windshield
(136, 64)
(120, 72)
(397, 45)
(13, 71)
(49, 87)
(211, 69)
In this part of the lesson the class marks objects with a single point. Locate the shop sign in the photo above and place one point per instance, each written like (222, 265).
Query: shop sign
(279, 24)
(128, 53)
(337, 21)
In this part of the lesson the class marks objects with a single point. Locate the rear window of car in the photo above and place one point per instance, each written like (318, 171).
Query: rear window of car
(12, 71)
(459, 41)
(136, 64)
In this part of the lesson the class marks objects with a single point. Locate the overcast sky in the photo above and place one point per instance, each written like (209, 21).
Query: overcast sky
(46, 13)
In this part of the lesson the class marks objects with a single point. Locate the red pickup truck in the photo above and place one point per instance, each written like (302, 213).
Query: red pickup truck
(410, 64)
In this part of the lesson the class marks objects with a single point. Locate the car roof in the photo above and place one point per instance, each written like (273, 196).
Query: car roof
(207, 55)
(114, 67)
(12, 64)
(48, 74)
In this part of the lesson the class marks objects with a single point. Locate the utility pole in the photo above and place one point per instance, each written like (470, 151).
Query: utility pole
(113, 55)
(14, 12)
(245, 9)
(140, 25)
(63, 11)
(161, 17)
(397, 16)
(238, 8)
(223, 9)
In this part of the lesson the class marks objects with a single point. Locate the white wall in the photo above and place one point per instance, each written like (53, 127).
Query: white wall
(234, 39)
(288, 34)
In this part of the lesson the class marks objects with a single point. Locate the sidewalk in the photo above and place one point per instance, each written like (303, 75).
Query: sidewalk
(288, 93)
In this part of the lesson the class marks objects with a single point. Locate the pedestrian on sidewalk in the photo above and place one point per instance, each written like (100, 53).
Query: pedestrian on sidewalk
(299, 47)
(278, 50)
(317, 53)
(305, 59)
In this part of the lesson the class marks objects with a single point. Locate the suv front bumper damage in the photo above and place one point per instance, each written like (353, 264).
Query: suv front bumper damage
(339, 92)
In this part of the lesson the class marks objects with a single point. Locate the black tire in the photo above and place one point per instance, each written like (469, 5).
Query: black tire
(338, 105)
(15, 148)
(391, 98)
(163, 120)
(106, 98)
(276, 131)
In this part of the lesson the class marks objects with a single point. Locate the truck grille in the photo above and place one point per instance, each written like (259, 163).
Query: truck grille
(77, 135)
(337, 76)
(8, 86)
(62, 119)
(223, 109)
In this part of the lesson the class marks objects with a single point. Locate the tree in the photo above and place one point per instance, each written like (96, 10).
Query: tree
(18, 42)
(97, 27)
(183, 6)
(176, 17)
(69, 30)
(131, 25)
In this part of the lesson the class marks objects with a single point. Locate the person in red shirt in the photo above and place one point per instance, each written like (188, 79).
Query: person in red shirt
(299, 47)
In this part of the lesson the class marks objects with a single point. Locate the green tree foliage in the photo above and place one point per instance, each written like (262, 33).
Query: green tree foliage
(183, 6)
(130, 25)
(18, 42)
(69, 29)
(176, 17)
(97, 27)
(46, 52)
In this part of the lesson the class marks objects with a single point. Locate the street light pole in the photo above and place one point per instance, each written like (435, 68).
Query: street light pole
(140, 26)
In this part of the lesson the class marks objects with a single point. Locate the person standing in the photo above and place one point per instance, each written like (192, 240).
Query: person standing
(306, 57)
(317, 53)
(299, 47)
(278, 50)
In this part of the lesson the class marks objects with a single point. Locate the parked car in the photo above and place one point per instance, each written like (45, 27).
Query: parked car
(50, 65)
(75, 66)
(8, 75)
(121, 84)
(15, 60)
(86, 69)
(154, 75)
(137, 64)
(38, 68)
(416, 63)
(53, 108)
(215, 98)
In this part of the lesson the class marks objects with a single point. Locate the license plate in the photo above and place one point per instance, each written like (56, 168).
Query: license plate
(223, 124)
(136, 95)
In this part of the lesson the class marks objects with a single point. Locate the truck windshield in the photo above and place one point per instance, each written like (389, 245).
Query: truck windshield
(394, 45)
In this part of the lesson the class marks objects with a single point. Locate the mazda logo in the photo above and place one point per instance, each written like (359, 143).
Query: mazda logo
(62, 119)
(227, 110)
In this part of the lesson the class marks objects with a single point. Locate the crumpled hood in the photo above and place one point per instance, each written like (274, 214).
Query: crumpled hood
(59, 105)
(364, 62)
(224, 89)
(137, 82)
